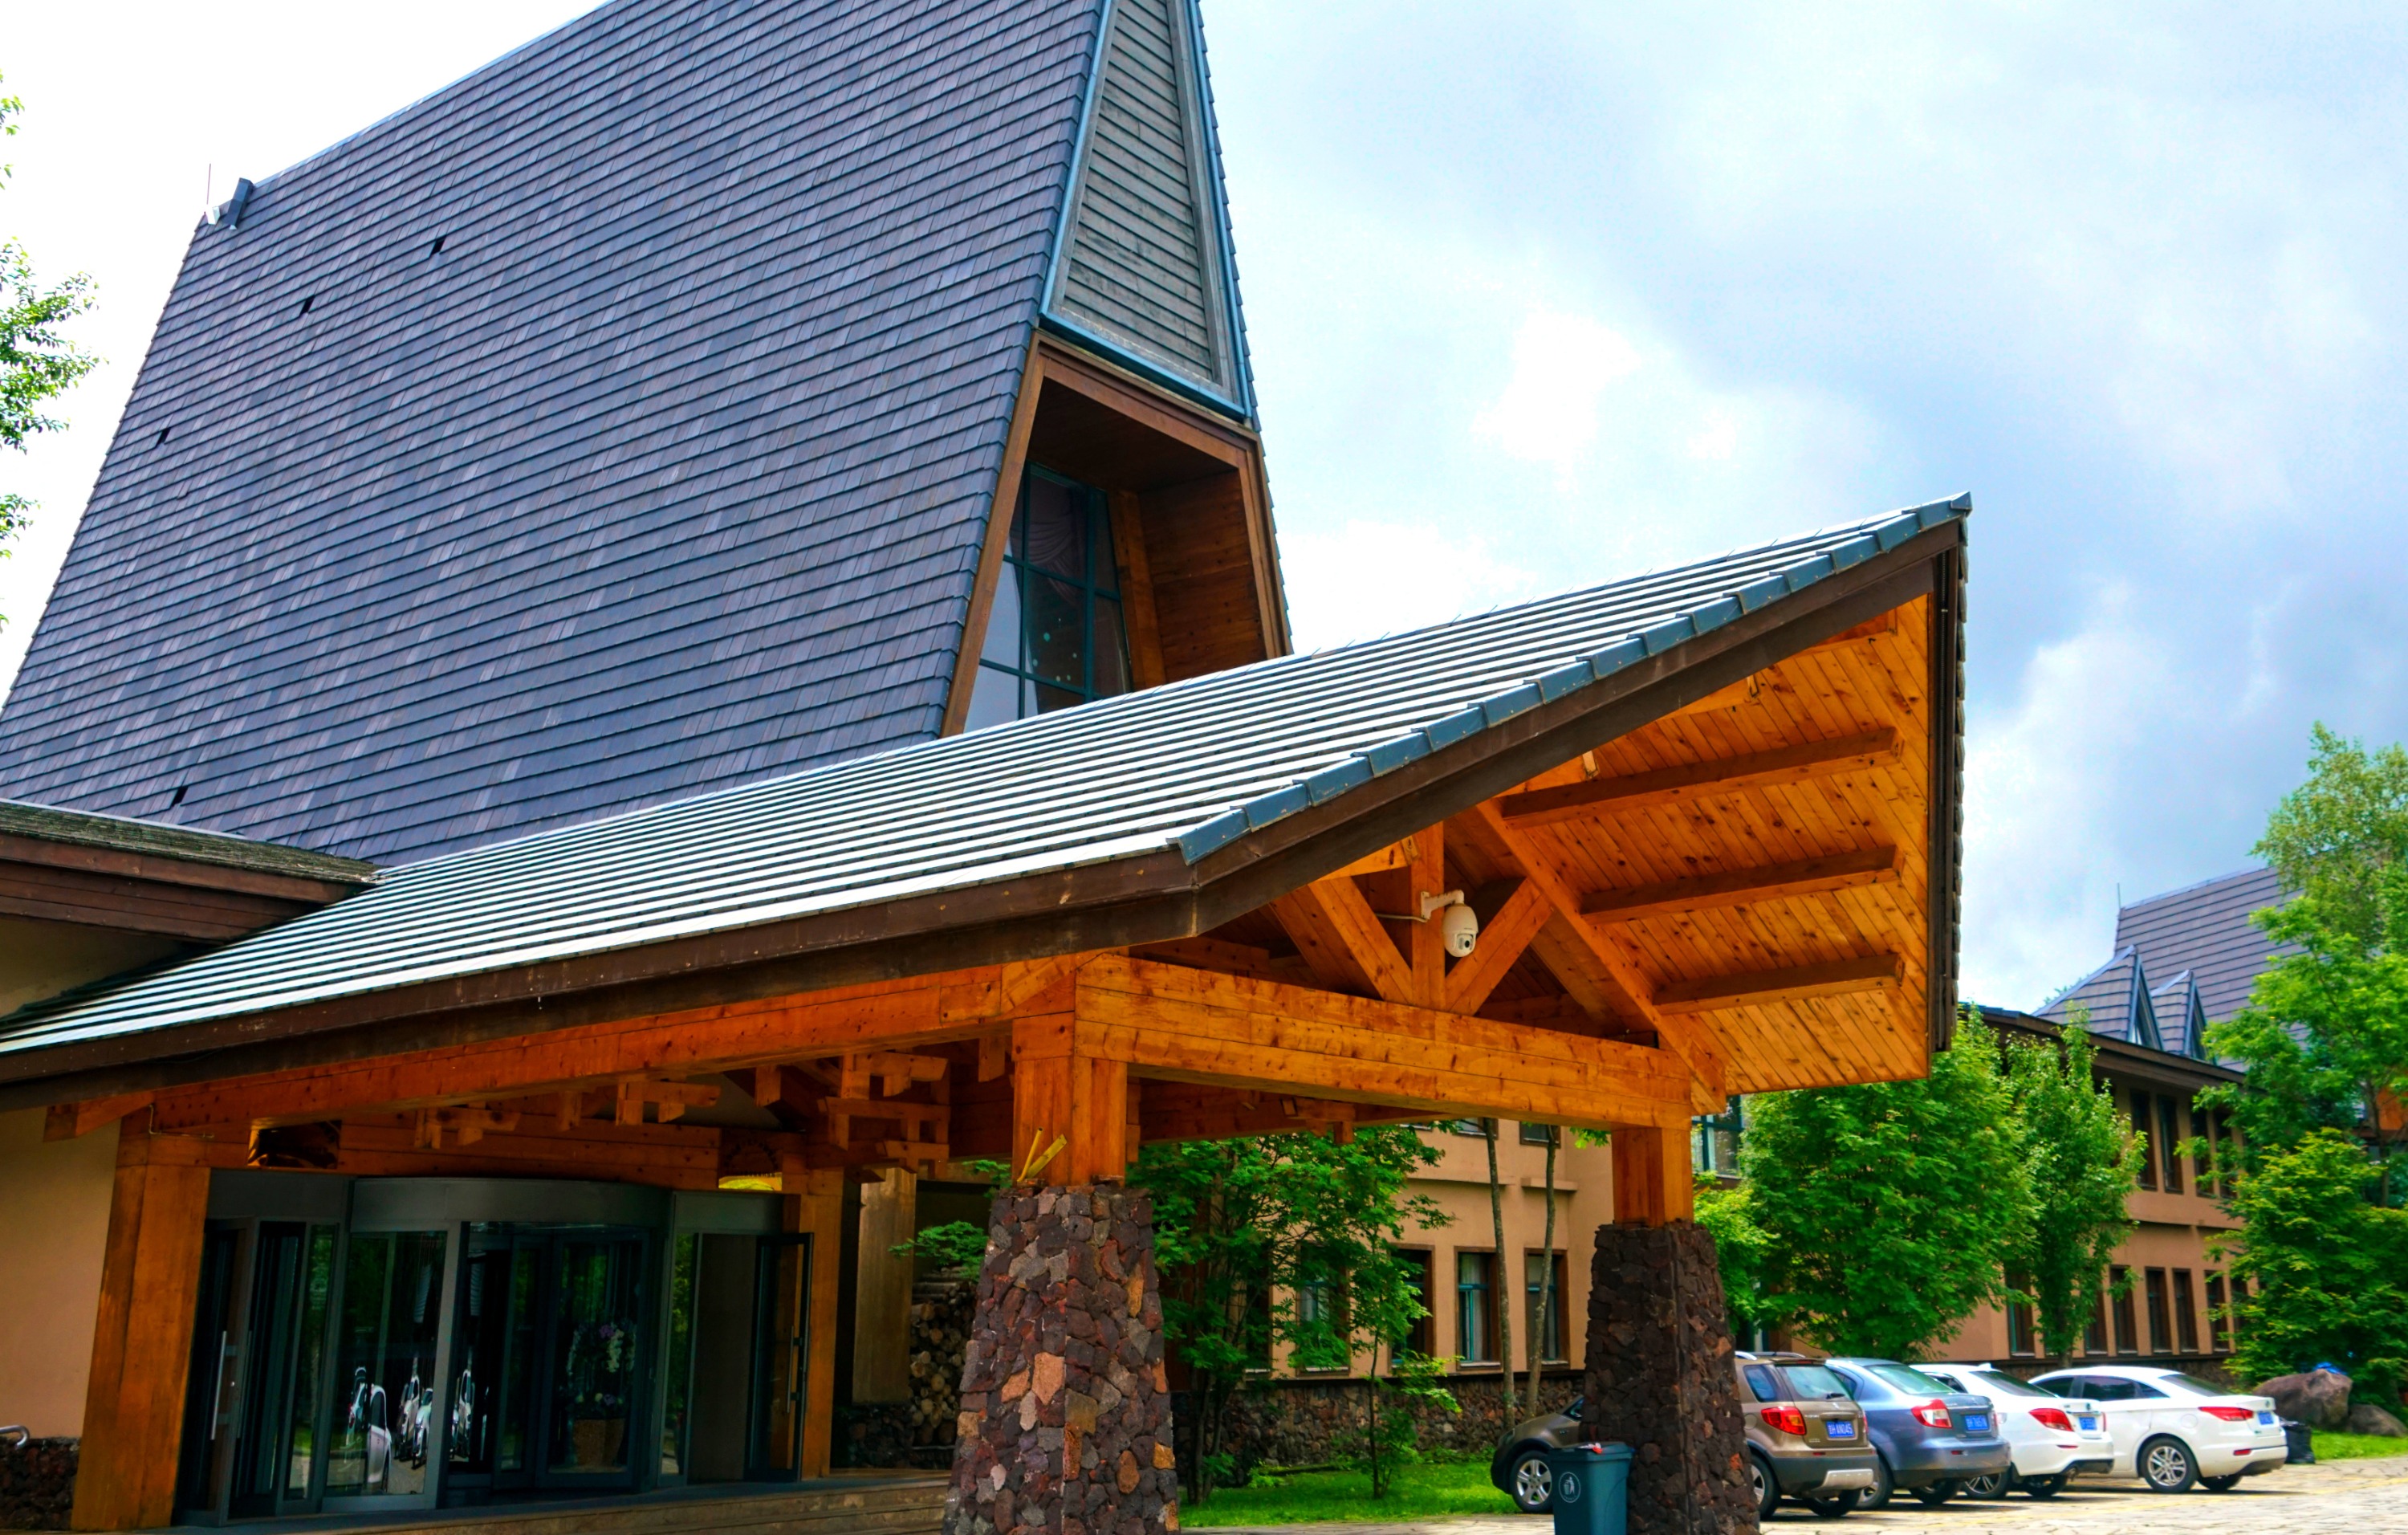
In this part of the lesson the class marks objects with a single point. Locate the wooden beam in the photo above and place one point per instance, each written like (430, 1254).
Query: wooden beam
(1394, 856)
(142, 1338)
(1069, 1106)
(669, 1099)
(1691, 781)
(598, 1056)
(1692, 1040)
(1755, 988)
(1425, 940)
(1179, 1110)
(1653, 1182)
(1744, 886)
(1503, 938)
(1342, 940)
(73, 1121)
(1220, 1030)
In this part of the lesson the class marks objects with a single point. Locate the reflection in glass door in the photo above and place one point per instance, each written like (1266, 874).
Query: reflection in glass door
(292, 1287)
(384, 1364)
(597, 1301)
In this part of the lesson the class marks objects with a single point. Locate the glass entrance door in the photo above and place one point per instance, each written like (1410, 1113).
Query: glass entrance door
(549, 1363)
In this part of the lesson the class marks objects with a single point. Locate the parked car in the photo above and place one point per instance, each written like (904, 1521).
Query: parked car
(2052, 1437)
(2175, 1432)
(1806, 1436)
(1929, 1438)
(1805, 1439)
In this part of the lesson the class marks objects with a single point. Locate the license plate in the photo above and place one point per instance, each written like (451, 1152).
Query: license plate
(1978, 1422)
(1839, 1428)
(2265, 1417)
(2089, 1425)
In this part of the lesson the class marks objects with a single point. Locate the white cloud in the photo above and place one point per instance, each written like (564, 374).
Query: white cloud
(1367, 579)
(1563, 364)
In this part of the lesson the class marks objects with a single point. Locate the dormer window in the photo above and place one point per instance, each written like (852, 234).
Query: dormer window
(1056, 639)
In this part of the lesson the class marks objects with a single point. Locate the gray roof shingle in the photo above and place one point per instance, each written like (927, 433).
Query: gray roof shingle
(2205, 929)
(1178, 771)
(668, 470)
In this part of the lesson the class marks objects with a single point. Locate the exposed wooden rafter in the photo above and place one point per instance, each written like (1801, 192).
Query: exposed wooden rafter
(1758, 988)
(1503, 939)
(1340, 937)
(1669, 785)
(1740, 886)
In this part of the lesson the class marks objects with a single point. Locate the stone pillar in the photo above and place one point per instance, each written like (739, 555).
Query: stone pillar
(1660, 1380)
(1064, 1407)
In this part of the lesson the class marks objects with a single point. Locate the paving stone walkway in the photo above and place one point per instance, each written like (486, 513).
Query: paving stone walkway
(2337, 1498)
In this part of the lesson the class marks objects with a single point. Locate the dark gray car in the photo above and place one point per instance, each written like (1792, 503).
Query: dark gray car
(1520, 1468)
(1931, 1436)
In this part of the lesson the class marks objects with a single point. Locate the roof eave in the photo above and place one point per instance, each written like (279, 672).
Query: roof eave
(1146, 898)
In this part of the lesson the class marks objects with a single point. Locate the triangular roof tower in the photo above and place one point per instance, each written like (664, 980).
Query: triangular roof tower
(2117, 996)
(629, 419)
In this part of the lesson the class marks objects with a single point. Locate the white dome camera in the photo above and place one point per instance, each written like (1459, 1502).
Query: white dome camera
(1461, 930)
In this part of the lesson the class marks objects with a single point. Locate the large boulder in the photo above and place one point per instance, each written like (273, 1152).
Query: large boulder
(2318, 1397)
(2366, 1418)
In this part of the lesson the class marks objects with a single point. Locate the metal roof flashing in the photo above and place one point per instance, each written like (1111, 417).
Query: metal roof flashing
(1095, 827)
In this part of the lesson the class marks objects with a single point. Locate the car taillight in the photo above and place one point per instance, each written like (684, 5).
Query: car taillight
(1933, 1414)
(2052, 1417)
(2229, 1414)
(1787, 1419)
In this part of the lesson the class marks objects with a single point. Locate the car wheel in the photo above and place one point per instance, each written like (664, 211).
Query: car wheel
(1936, 1493)
(2166, 1466)
(1761, 1481)
(2220, 1484)
(1990, 1487)
(1837, 1506)
(1885, 1486)
(2043, 1486)
(1531, 1483)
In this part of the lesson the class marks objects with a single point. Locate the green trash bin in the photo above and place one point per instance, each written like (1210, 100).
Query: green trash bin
(1592, 1488)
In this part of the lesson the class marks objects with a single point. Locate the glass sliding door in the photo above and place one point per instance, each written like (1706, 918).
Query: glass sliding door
(292, 1281)
(387, 1334)
(596, 1344)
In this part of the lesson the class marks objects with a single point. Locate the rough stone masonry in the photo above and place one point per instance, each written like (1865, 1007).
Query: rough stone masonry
(1064, 1408)
(1661, 1380)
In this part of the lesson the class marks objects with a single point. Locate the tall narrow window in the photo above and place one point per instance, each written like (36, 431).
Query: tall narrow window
(2185, 1314)
(2168, 1142)
(2142, 1113)
(2216, 1341)
(1423, 1338)
(1475, 1307)
(2202, 1151)
(2019, 1317)
(2160, 1313)
(1053, 639)
(2094, 1337)
(2128, 1326)
(1547, 1326)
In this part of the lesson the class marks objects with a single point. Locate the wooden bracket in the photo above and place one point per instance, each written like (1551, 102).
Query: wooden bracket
(73, 1121)
(669, 1099)
(467, 1124)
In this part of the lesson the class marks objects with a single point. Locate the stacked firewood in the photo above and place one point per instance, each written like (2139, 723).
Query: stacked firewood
(941, 1334)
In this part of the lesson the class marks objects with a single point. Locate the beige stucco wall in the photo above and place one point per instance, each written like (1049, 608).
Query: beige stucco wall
(53, 1224)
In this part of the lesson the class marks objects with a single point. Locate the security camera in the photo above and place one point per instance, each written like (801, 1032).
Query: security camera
(1461, 930)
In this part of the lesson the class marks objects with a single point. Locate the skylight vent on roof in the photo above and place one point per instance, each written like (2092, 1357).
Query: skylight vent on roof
(306, 302)
(436, 249)
(162, 438)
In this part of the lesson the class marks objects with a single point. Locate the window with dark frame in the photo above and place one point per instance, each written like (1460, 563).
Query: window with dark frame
(2185, 1314)
(1053, 636)
(1423, 1338)
(2202, 1153)
(2142, 1114)
(2128, 1322)
(2161, 1330)
(1537, 1135)
(2217, 1341)
(2094, 1336)
(2019, 1318)
(2170, 1140)
(1535, 1266)
(1475, 1307)
(1476, 1128)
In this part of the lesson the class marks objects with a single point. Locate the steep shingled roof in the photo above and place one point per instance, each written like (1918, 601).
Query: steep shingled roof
(2206, 929)
(2116, 995)
(1166, 777)
(616, 425)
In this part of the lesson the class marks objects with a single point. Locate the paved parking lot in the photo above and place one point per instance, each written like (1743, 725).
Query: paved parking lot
(2339, 1497)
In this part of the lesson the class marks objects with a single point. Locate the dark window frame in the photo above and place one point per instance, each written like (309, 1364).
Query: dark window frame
(2170, 1171)
(1480, 1351)
(2185, 1312)
(2219, 1337)
(2161, 1311)
(1556, 1332)
(2127, 1315)
(1099, 586)
(2145, 1123)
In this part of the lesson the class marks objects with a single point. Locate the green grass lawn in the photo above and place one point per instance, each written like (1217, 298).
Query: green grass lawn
(2356, 1446)
(1418, 1492)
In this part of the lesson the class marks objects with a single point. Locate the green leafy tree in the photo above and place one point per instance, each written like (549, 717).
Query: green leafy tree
(1890, 1209)
(1742, 1253)
(2333, 836)
(1246, 1230)
(2330, 1269)
(37, 362)
(2083, 1159)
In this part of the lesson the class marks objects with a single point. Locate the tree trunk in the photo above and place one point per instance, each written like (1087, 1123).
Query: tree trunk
(1546, 1279)
(1504, 1280)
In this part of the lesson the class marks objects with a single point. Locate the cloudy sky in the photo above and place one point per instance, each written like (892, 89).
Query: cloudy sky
(1542, 294)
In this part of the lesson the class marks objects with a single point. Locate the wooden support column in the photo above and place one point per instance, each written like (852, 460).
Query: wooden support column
(815, 1204)
(1652, 1183)
(1070, 1112)
(142, 1343)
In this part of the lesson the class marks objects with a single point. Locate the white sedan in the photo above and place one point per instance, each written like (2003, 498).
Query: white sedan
(2052, 1437)
(2175, 1432)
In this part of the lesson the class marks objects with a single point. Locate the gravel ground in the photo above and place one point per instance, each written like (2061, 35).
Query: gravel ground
(2337, 1498)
